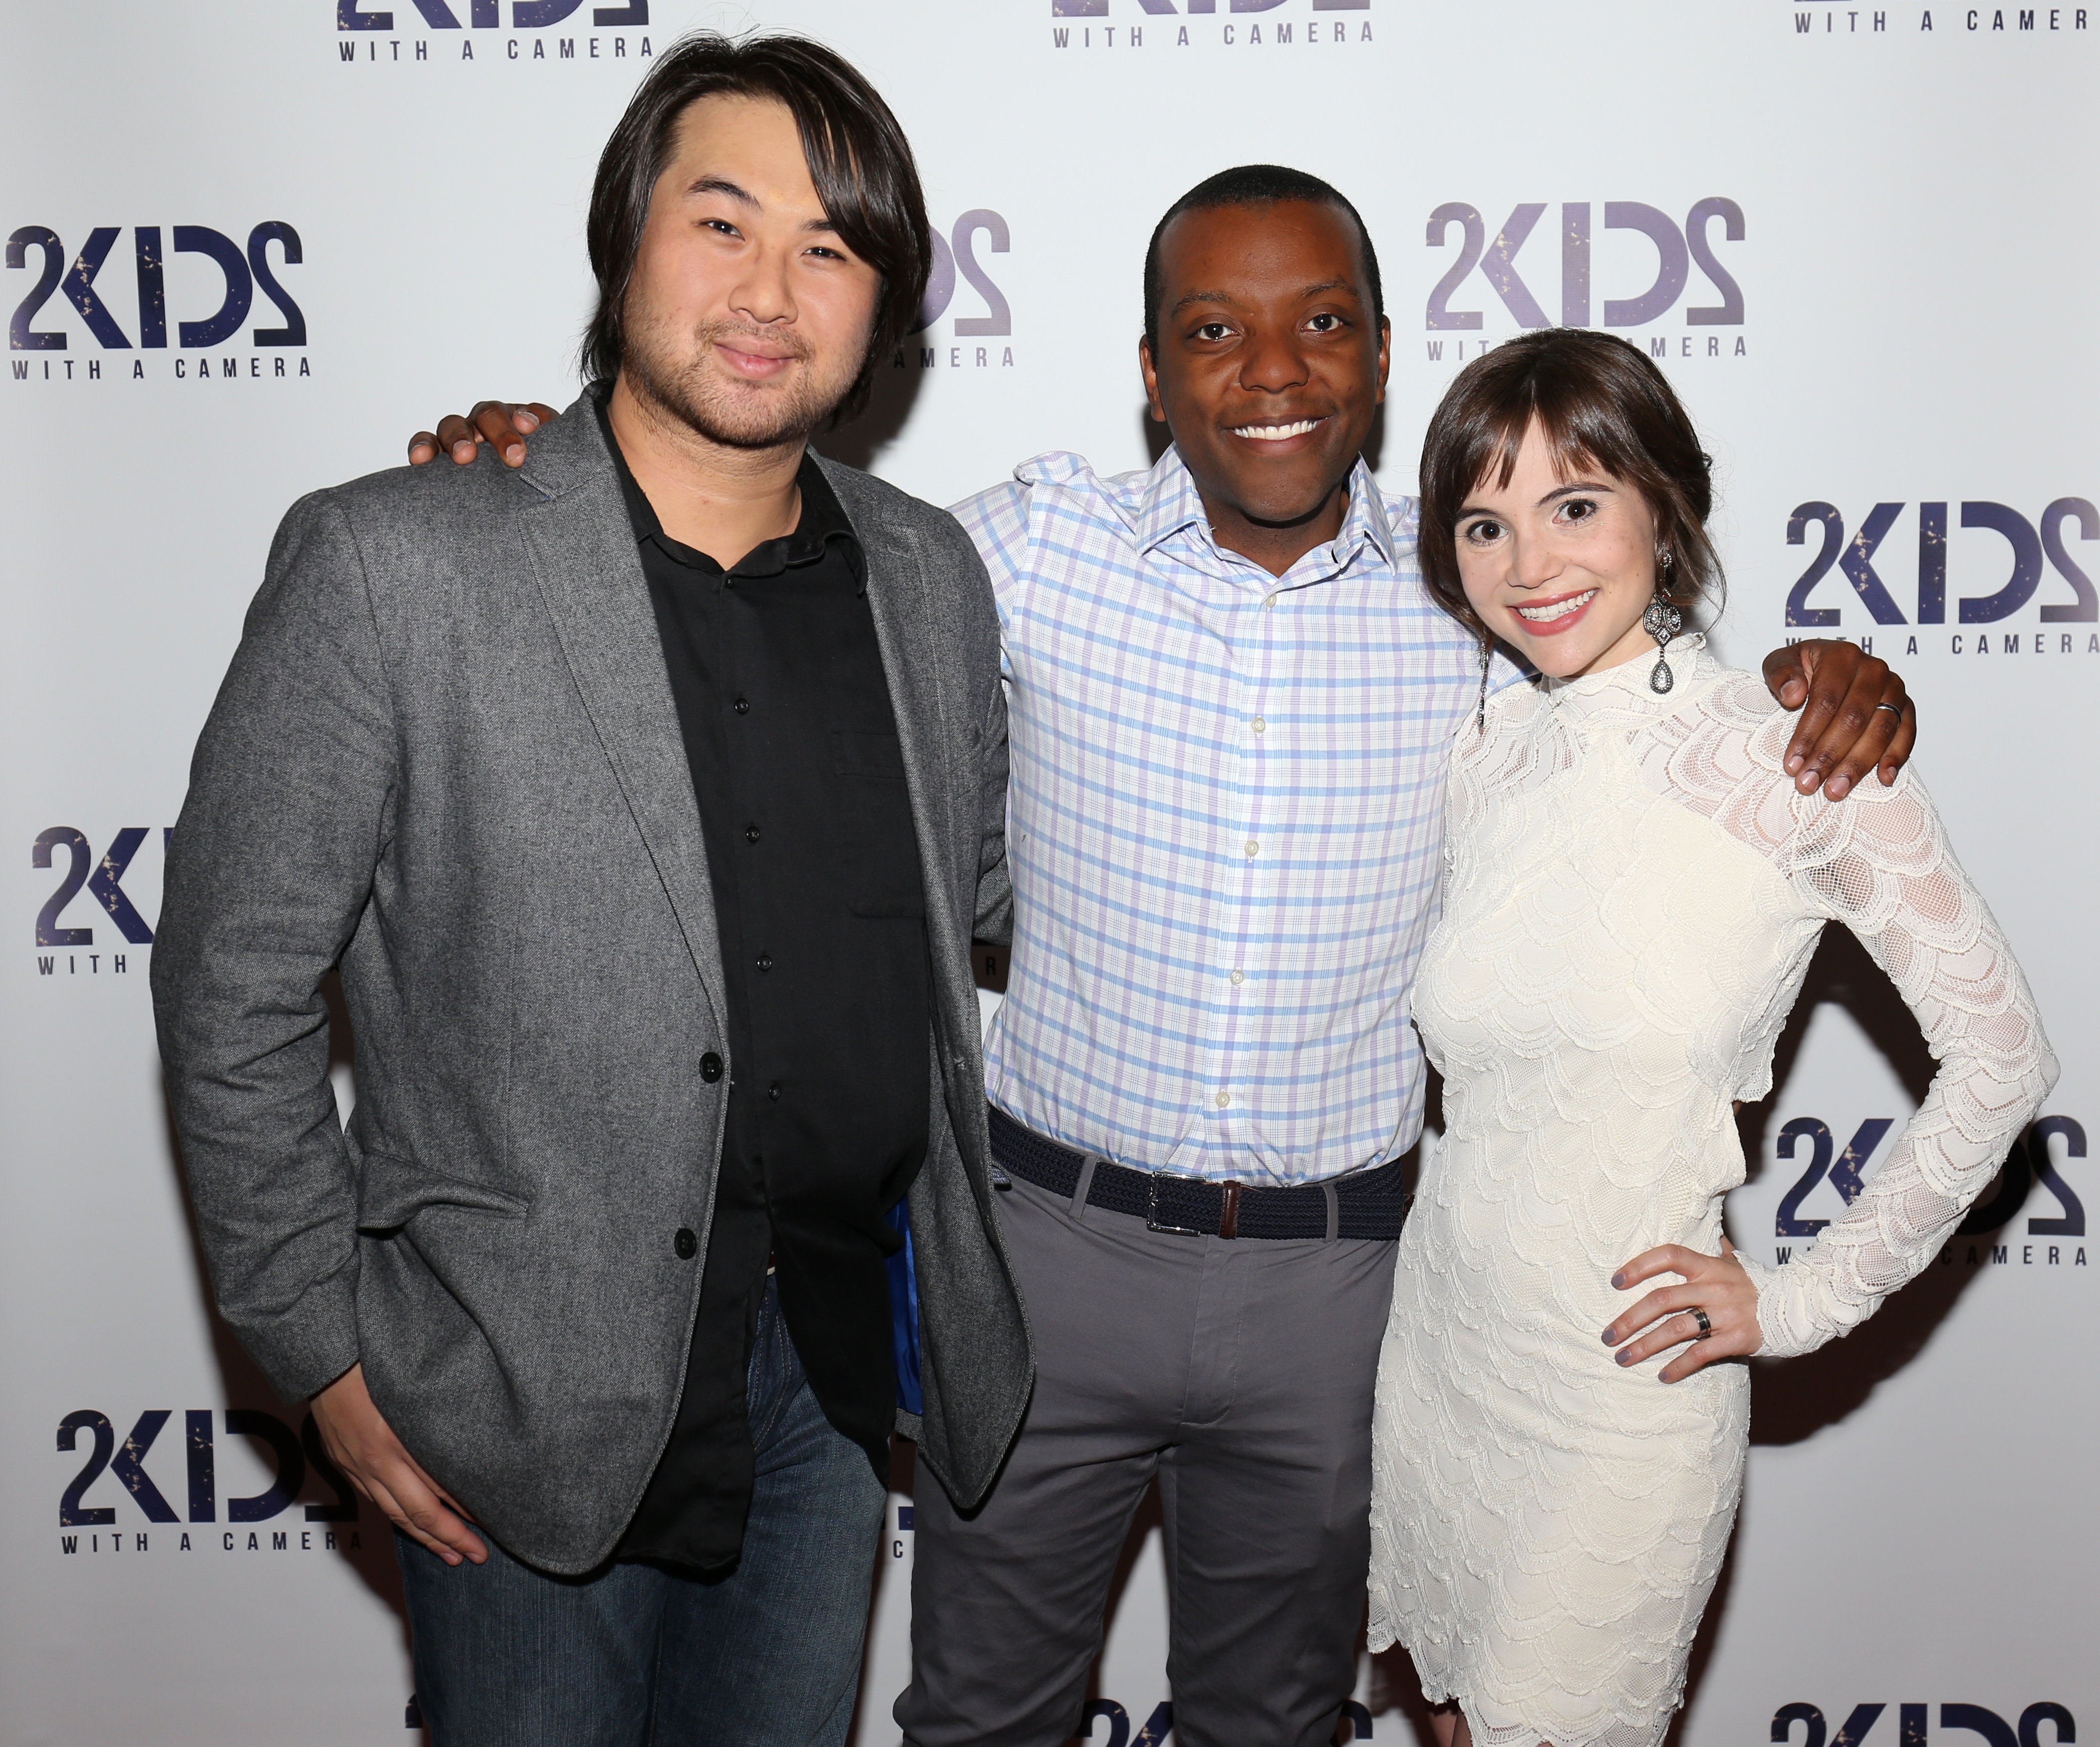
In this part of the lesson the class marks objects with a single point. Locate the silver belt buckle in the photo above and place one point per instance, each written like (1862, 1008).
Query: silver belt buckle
(1152, 1210)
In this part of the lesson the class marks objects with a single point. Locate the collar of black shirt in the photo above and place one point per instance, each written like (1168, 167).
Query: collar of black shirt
(822, 520)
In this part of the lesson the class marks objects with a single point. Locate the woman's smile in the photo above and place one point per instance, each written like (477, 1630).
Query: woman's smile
(1559, 612)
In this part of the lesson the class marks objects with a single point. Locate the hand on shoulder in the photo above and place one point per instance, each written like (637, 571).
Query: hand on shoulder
(1856, 715)
(504, 424)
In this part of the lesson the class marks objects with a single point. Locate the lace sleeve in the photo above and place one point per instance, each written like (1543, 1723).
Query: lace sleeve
(1879, 862)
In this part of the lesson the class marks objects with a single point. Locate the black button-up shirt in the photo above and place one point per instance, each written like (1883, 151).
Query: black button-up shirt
(784, 707)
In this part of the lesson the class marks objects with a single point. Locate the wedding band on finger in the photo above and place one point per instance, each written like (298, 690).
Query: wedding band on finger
(1705, 1327)
(1893, 709)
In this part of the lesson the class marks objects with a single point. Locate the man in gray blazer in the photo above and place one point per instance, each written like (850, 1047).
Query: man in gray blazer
(647, 798)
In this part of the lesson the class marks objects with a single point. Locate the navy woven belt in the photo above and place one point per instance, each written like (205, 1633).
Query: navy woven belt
(1364, 1204)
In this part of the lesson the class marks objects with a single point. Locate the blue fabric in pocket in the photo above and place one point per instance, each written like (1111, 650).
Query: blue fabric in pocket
(904, 1313)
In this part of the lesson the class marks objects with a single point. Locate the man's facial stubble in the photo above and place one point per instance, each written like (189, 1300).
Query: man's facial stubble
(678, 374)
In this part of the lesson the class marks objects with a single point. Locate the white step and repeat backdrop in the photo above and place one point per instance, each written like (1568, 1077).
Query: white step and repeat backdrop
(251, 243)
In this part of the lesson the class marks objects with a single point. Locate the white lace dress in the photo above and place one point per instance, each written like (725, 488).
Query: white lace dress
(1632, 892)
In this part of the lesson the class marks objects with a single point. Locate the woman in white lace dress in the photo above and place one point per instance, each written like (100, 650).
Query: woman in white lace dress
(1633, 889)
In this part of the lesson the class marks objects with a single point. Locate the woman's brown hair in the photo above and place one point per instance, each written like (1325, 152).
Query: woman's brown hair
(1598, 403)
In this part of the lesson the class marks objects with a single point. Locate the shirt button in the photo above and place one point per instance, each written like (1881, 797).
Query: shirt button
(711, 1067)
(686, 1245)
(773, 1091)
(1268, 603)
(1223, 1099)
(742, 707)
(751, 833)
(1253, 848)
(766, 961)
(1238, 978)
(1258, 725)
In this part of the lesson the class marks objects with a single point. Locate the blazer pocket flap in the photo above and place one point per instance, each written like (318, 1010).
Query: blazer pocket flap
(392, 1190)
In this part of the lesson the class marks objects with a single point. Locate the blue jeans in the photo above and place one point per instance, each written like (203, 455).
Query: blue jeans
(641, 1656)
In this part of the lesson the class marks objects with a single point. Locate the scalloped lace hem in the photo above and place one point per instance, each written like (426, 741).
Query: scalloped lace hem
(1613, 1732)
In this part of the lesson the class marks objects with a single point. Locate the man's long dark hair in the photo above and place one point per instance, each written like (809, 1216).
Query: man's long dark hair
(858, 159)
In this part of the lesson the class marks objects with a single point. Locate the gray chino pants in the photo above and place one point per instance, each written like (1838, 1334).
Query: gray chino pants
(1238, 1371)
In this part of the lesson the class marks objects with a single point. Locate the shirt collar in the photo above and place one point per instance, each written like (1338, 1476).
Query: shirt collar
(822, 520)
(1169, 503)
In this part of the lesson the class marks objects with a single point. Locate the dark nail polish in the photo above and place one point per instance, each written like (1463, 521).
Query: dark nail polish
(1627, 1356)
(1620, 1281)
(1608, 1337)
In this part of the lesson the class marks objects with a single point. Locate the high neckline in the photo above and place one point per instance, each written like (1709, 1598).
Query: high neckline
(1626, 686)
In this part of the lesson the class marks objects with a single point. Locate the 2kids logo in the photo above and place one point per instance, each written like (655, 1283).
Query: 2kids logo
(2029, 1166)
(1160, 24)
(1839, 18)
(980, 228)
(1994, 532)
(529, 19)
(1914, 1721)
(115, 1477)
(220, 286)
(1160, 1724)
(1652, 256)
(72, 950)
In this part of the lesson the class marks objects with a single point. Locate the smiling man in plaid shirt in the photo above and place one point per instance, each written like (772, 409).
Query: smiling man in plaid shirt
(1230, 700)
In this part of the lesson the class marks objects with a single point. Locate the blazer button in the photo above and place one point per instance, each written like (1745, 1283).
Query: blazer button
(711, 1067)
(685, 1243)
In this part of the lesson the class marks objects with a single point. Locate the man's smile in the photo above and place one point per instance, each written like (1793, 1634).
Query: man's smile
(1279, 433)
(756, 360)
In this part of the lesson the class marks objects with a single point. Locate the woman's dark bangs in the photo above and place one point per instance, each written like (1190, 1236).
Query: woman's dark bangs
(1584, 437)
(1490, 436)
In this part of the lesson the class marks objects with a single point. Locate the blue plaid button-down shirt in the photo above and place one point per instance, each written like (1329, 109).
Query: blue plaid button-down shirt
(1223, 824)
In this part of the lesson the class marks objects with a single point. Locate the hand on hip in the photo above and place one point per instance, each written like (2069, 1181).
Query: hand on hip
(1716, 1311)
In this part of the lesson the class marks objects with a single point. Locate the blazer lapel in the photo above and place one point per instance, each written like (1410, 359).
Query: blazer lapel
(590, 576)
(901, 606)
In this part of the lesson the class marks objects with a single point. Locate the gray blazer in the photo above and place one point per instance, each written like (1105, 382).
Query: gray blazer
(445, 758)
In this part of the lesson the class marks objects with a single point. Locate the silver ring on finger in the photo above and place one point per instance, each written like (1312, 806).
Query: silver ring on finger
(1893, 709)
(1705, 1325)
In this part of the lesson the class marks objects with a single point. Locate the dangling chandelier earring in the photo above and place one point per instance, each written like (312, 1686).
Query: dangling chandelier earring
(1487, 655)
(1661, 622)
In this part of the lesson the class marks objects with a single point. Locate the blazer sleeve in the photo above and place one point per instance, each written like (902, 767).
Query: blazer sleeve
(269, 871)
(993, 919)
(995, 910)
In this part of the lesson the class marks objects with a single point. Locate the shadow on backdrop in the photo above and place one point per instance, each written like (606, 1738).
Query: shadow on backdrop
(1792, 1399)
(896, 391)
(315, 1498)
